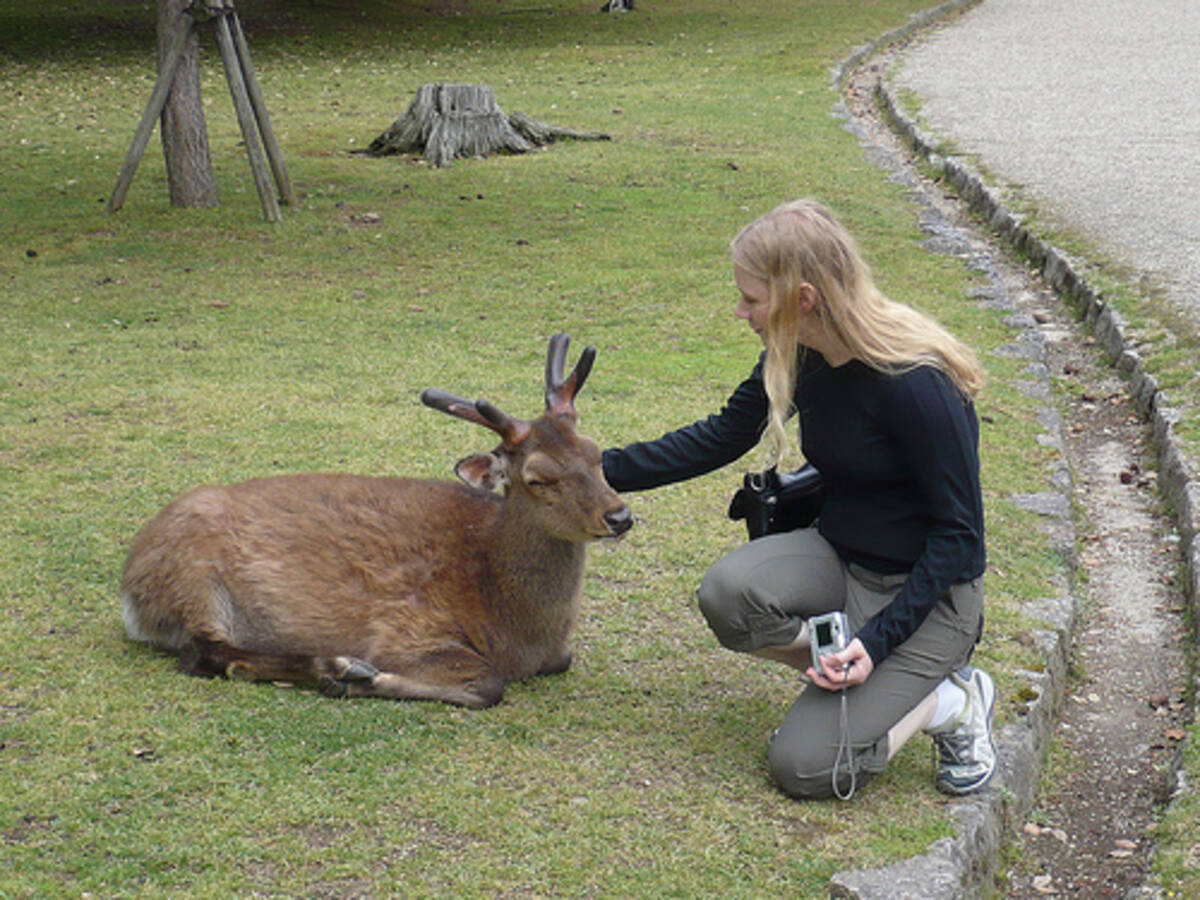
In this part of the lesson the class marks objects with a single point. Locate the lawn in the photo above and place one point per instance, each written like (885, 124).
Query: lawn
(156, 349)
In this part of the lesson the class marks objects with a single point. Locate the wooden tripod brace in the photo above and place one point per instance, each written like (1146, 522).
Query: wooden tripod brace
(248, 102)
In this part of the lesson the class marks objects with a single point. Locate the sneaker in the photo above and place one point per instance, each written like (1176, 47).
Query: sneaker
(966, 750)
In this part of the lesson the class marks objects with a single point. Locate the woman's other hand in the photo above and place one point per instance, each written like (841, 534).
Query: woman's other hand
(843, 669)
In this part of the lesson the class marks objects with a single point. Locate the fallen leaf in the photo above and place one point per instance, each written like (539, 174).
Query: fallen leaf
(1032, 829)
(1125, 844)
(1175, 734)
(1042, 884)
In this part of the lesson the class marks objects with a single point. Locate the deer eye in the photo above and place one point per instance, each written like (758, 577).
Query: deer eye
(541, 471)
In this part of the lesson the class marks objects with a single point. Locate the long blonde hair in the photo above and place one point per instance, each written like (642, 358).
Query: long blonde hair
(802, 241)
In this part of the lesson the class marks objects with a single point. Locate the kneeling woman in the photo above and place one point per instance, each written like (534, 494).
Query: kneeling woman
(883, 398)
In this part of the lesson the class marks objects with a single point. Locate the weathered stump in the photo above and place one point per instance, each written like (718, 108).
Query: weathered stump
(445, 121)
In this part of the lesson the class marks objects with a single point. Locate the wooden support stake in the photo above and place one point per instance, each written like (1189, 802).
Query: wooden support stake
(248, 103)
(245, 117)
(158, 99)
(274, 153)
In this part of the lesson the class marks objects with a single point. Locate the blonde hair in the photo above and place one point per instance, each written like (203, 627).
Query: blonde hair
(801, 242)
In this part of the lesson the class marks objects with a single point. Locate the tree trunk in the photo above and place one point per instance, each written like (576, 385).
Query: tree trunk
(449, 120)
(190, 178)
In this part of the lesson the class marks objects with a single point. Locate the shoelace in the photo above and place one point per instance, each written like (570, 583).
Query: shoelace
(953, 748)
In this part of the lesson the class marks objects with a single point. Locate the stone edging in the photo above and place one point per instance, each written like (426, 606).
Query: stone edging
(967, 862)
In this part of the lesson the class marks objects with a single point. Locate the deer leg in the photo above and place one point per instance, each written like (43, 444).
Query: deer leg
(478, 695)
(208, 657)
(451, 675)
(455, 675)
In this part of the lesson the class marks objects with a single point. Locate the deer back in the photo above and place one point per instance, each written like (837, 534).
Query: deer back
(297, 561)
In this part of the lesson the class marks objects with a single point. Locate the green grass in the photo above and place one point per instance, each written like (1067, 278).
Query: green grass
(156, 349)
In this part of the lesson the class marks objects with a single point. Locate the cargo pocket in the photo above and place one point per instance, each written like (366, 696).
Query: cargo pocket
(965, 602)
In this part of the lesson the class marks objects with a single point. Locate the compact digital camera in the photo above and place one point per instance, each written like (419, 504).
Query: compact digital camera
(828, 633)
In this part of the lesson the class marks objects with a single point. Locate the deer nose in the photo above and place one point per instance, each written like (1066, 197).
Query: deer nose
(619, 521)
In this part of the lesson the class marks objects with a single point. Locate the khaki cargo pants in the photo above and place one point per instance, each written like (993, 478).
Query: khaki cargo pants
(759, 594)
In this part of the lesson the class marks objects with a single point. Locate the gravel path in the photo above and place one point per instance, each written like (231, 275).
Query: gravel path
(1092, 107)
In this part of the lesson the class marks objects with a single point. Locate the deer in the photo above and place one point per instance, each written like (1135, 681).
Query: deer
(405, 588)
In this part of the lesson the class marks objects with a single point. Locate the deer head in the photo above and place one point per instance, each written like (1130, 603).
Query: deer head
(544, 464)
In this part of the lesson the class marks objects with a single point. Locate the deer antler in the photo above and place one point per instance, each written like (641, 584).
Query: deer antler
(560, 392)
(481, 412)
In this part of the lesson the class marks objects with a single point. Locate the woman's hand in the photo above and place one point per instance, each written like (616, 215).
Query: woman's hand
(844, 669)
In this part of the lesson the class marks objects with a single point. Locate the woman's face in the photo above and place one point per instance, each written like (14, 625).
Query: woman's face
(753, 304)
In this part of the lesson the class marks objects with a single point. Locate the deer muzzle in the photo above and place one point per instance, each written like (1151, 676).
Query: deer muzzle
(619, 521)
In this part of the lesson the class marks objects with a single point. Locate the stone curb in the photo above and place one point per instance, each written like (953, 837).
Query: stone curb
(966, 865)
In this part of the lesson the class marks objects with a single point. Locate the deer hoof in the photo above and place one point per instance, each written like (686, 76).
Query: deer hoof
(239, 670)
(334, 687)
(353, 669)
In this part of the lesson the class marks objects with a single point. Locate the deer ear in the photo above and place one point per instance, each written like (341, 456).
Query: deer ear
(487, 471)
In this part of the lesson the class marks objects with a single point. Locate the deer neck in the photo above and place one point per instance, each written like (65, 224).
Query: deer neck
(534, 569)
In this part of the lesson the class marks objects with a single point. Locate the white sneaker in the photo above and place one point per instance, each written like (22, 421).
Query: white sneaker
(965, 748)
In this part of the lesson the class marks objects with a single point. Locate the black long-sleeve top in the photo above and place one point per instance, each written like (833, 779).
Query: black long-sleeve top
(899, 458)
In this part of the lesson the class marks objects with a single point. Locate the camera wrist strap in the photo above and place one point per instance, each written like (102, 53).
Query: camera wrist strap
(844, 751)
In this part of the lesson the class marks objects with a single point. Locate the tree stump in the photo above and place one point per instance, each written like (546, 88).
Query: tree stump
(445, 121)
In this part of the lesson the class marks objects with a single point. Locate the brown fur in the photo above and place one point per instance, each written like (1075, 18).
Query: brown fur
(384, 586)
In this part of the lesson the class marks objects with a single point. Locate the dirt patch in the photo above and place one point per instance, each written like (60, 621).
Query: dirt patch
(1088, 834)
